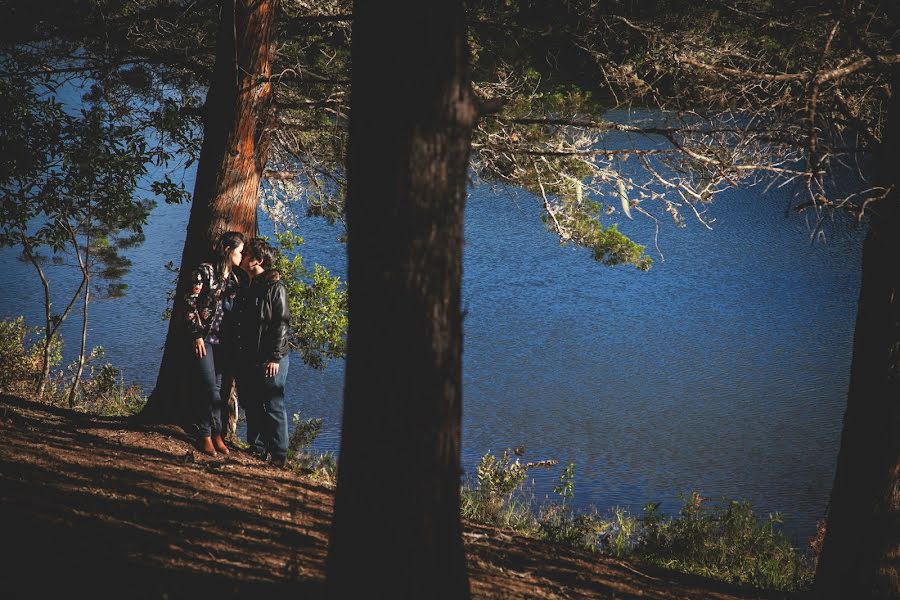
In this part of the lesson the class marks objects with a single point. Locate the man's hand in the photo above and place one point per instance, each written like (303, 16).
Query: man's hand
(199, 348)
(271, 369)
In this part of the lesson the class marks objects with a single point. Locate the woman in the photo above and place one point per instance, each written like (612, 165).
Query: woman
(261, 337)
(213, 286)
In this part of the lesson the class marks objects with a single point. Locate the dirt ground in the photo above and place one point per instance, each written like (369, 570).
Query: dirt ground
(94, 507)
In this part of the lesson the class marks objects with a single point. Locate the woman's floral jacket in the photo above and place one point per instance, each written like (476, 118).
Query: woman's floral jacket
(206, 300)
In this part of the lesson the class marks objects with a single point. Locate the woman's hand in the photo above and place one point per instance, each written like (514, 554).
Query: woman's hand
(199, 348)
(271, 369)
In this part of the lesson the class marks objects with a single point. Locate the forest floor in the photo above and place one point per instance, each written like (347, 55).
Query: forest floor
(97, 507)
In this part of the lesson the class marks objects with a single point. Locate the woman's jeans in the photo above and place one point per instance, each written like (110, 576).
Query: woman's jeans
(263, 401)
(210, 406)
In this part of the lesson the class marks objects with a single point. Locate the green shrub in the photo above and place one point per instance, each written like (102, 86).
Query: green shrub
(619, 535)
(321, 467)
(318, 303)
(103, 390)
(559, 524)
(724, 540)
(17, 365)
(513, 512)
(21, 354)
(491, 499)
(497, 496)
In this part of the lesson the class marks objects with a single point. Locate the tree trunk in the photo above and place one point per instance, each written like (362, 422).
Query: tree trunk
(237, 116)
(49, 330)
(84, 264)
(76, 379)
(860, 555)
(396, 529)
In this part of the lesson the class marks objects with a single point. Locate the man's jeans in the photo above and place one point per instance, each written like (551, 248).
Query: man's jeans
(263, 401)
(209, 405)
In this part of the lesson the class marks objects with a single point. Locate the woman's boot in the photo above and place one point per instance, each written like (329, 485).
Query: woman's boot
(206, 446)
(220, 444)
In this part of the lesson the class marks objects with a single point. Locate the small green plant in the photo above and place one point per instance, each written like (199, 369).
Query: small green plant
(491, 500)
(499, 477)
(170, 291)
(497, 496)
(321, 467)
(560, 524)
(305, 432)
(619, 535)
(103, 390)
(566, 485)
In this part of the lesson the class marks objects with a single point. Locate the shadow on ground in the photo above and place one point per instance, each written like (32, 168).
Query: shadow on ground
(96, 507)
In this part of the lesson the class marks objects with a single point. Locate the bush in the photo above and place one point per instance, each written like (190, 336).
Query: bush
(105, 393)
(497, 497)
(559, 524)
(724, 540)
(318, 303)
(17, 366)
(21, 355)
(321, 467)
(102, 391)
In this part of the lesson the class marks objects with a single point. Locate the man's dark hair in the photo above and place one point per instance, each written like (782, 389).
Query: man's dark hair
(262, 251)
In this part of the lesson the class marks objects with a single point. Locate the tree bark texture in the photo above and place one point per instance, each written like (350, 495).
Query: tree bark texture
(237, 118)
(860, 555)
(396, 530)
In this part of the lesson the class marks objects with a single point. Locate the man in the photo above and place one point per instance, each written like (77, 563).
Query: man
(261, 339)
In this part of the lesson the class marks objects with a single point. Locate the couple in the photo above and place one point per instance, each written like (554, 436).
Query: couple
(238, 316)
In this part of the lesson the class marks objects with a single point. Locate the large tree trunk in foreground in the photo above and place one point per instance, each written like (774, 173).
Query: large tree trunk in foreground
(396, 530)
(861, 551)
(236, 118)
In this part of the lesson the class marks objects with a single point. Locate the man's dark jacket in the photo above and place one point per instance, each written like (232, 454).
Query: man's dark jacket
(262, 320)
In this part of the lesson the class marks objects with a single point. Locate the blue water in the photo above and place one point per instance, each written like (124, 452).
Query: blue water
(724, 369)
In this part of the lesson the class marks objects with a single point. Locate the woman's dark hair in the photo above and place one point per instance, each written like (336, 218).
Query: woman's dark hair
(262, 251)
(228, 242)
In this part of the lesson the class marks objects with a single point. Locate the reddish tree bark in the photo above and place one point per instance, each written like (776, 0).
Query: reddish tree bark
(236, 141)
(860, 555)
(396, 530)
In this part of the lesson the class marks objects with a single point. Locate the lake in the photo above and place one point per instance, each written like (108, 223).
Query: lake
(724, 369)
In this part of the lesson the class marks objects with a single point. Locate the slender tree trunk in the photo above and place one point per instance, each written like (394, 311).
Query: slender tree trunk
(237, 116)
(84, 264)
(76, 379)
(860, 555)
(48, 331)
(396, 530)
